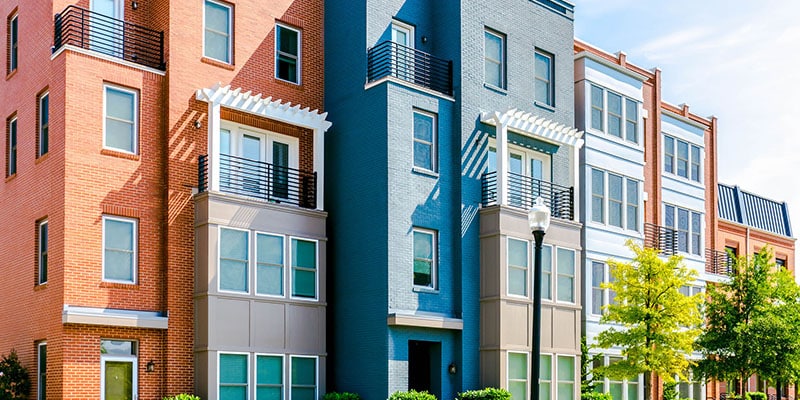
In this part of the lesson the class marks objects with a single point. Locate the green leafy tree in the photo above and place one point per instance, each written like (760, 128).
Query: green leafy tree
(589, 377)
(14, 380)
(752, 323)
(652, 321)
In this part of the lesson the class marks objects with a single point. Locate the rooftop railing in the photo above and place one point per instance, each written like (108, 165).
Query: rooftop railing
(411, 65)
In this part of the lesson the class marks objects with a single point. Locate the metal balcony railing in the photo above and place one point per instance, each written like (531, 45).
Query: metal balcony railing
(261, 180)
(89, 30)
(719, 262)
(661, 238)
(523, 190)
(411, 65)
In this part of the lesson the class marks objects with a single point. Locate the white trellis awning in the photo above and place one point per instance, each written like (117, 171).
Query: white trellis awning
(535, 126)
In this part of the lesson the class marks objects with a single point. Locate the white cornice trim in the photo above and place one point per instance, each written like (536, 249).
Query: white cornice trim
(112, 317)
(616, 67)
(532, 125)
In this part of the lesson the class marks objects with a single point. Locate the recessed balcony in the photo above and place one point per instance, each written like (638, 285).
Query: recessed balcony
(390, 59)
(523, 191)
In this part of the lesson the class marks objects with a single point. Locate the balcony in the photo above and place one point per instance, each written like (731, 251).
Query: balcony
(79, 27)
(410, 65)
(719, 262)
(261, 180)
(661, 238)
(523, 190)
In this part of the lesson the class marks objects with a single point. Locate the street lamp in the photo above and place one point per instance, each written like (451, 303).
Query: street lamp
(538, 221)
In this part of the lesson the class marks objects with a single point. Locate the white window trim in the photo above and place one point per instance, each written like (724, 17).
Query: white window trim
(690, 382)
(39, 370)
(290, 271)
(502, 60)
(248, 374)
(409, 30)
(434, 142)
(606, 292)
(39, 125)
(230, 29)
(528, 371)
(237, 132)
(528, 280)
(434, 263)
(575, 265)
(132, 359)
(135, 265)
(527, 156)
(554, 372)
(41, 225)
(552, 273)
(606, 200)
(316, 373)
(284, 374)
(219, 264)
(551, 91)
(674, 174)
(12, 55)
(299, 53)
(688, 253)
(135, 94)
(13, 121)
(605, 111)
(605, 382)
(255, 263)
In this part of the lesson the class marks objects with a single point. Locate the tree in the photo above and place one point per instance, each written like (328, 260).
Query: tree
(752, 322)
(653, 322)
(14, 380)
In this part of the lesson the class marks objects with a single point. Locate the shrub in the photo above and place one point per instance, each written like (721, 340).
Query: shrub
(596, 396)
(341, 396)
(485, 394)
(670, 390)
(182, 396)
(412, 395)
(755, 396)
(14, 380)
(734, 397)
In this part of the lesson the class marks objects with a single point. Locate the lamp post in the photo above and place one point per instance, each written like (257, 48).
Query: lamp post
(538, 221)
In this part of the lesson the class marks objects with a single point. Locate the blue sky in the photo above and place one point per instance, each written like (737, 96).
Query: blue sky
(736, 60)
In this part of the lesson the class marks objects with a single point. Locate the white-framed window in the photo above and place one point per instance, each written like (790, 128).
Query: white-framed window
(615, 200)
(601, 297)
(13, 43)
(11, 146)
(547, 272)
(517, 375)
(682, 158)
(270, 263)
(43, 128)
(269, 377)
(288, 50)
(119, 366)
(558, 274)
(517, 260)
(233, 376)
(403, 60)
(565, 373)
(41, 371)
(304, 259)
(234, 256)
(545, 377)
(688, 225)
(41, 250)
(527, 170)
(494, 58)
(690, 388)
(425, 151)
(614, 114)
(304, 378)
(119, 249)
(218, 31)
(625, 389)
(120, 121)
(544, 69)
(425, 255)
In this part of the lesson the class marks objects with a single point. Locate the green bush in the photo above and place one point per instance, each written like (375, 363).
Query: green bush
(596, 396)
(670, 390)
(182, 396)
(412, 395)
(14, 380)
(485, 394)
(734, 397)
(755, 396)
(341, 396)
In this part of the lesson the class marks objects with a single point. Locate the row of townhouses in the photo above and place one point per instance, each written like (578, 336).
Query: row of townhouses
(240, 201)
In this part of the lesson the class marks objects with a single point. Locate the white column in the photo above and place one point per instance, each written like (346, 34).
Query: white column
(319, 166)
(502, 163)
(576, 183)
(213, 146)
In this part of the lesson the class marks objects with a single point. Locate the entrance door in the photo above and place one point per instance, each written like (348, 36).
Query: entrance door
(518, 185)
(403, 55)
(253, 175)
(425, 366)
(105, 27)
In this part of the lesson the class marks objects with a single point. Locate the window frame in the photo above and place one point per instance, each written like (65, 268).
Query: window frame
(434, 161)
(549, 364)
(219, 371)
(42, 246)
(690, 229)
(12, 30)
(527, 371)
(558, 379)
(290, 378)
(41, 370)
(549, 83)
(230, 29)
(525, 270)
(618, 117)
(623, 203)
(607, 296)
(257, 263)
(248, 282)
(292, 268)
(256, 385)
(547, 273)
(604, 383)
(297, 58)
(573, 277)
(132, 358)
(501, 62)
(434, 258)
(42, 127)
(135, 112)
(671, 153)
(601, 109)
(135, 256)
(12, 141)
(624, 116)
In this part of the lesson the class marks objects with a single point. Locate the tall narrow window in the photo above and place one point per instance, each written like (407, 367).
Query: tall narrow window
(11, 147)
(565, 261)
(598, 195)
(683, 230)
(44, 124)
(696, 223)
(42, 251)
(597, 108)
(304, 378)
(119, 249)
(269, 377)
(304, 268)
(615, 200)
(13, 43)
(425, 140)
(547, 272)
(517, 267)
(518, 375)
(598, 271)
(632, 208)
(233, 376)
(695, 164)
(120, 123)
(566, 377)
(269, 264)
(41, 371)
(424, 258)
(683, 159)
(615, 114)
(545, 377)
(494, 59)
(287, 53)
(218, 36)
(118, 365)
(544, 78)
(669, 154)
(688, 225)
(631, 121)
(233, 260)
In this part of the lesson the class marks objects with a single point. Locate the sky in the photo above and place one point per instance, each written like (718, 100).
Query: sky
(733, 59)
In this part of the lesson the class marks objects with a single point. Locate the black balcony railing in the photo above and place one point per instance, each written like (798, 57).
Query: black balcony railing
(719, 262)
(523, 191)
(661, 238)
(262, 180)
(89, 30)
(410, 65)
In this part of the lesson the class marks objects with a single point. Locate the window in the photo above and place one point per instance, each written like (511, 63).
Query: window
(631, 121)
(287, 53)
(517, 267)
(598, 195)
(780, 263)
(425, 258)
(11, 147)
(601, 297)
(690, 388)
(544, 92)
(688, 225)
(682, 158)
(547, 272)
(233, 373)
(620, 197)
(43, 130)
(598, 110)
(566, 377)
(41, 371)
(304, 268)
(120, 122)
(425, 156)
(233, 260)
(304, 378)
(615, 200)
(41, 253)
(518, 375)
(13, 43)
(632, 205)
(565, 281)
(269, 377)
(545, 377)
(269, 264)
(119, 369)
(614, 114)
(494, 49)
(617, 388)
(218, 37)
(119, 249)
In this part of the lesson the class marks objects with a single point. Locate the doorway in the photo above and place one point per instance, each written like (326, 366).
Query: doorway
(425, 366)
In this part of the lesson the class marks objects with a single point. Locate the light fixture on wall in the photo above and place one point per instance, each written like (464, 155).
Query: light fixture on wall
(198, 124)
(424, 39)
(151, 366)
(452, 368)
(135, 4)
